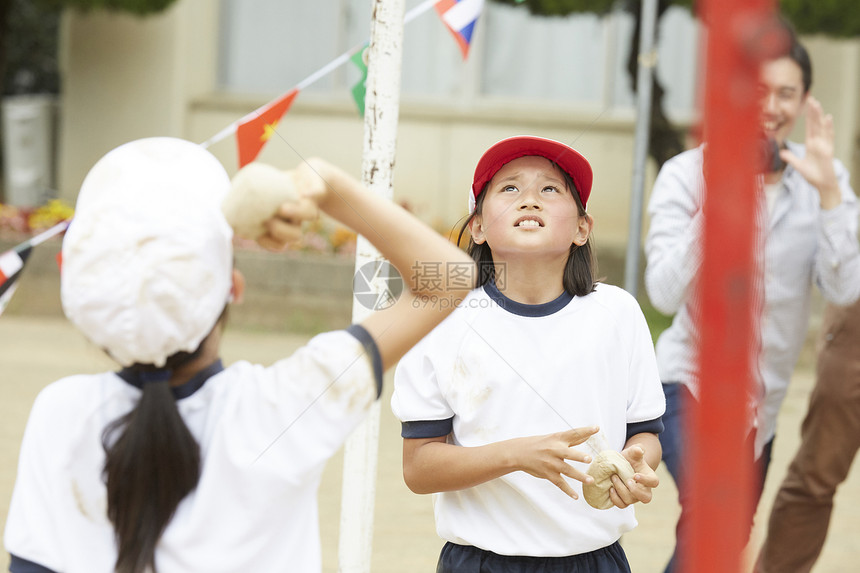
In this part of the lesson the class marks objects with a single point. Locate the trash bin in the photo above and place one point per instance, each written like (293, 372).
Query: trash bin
(28, 149)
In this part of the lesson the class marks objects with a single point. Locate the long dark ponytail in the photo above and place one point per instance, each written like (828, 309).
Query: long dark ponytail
(580, 271)
(152, 462)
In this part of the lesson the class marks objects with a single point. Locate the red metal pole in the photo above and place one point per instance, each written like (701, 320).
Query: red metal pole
(720, 471)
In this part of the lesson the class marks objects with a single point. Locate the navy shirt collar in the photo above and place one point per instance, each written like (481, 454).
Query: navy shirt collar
(530, 310)
(179, 392)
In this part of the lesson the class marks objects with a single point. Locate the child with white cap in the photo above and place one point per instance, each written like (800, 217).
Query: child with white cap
(498, 399)
(177, 463)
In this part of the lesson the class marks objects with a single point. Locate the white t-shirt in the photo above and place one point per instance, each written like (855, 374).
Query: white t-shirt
(496, 369)
(265, 434)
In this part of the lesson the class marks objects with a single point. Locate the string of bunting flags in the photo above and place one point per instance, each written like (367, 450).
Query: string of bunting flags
(11, 264)
(12, 261)
(255, 129)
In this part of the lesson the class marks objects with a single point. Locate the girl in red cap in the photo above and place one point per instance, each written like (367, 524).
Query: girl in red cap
(500, 402)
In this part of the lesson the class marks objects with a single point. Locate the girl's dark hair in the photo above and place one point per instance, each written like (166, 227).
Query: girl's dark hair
(581, 268)
(152, 462)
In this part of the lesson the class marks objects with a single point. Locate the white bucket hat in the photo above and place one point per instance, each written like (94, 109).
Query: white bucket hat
(147, 260)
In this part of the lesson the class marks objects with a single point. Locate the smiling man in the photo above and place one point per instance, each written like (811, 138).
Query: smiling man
(806, 234)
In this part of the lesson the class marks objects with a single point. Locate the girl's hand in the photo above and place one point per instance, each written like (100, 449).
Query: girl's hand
(544, 457)
(639, 487)
(316, 179)
(285, 227)
(313, 189)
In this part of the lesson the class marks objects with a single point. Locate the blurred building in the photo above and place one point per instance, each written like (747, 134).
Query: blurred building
(203, 64)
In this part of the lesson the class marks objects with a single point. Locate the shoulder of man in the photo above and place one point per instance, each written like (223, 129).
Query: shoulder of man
(686, 158)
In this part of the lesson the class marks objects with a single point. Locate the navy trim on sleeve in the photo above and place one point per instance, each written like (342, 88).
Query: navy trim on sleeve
(364, 337)
(650, 426)
(19, 565)
(427, 428)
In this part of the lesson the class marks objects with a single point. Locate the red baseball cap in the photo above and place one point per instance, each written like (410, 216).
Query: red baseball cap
(506, 150)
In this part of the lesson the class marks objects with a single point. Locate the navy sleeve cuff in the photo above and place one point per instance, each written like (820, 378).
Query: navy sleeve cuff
(651, 426)
(366, 340)
(19, 565)
(427, 428)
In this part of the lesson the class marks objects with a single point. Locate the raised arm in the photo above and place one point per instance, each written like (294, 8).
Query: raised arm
(837, 261)
(418, 252)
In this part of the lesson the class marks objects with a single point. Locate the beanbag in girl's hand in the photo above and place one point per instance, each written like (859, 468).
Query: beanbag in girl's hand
(605, 464)
(257, 191)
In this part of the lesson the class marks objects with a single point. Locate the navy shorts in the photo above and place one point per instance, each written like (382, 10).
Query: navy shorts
(467, 559)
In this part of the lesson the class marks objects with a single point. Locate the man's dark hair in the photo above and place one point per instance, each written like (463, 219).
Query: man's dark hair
(797, 52)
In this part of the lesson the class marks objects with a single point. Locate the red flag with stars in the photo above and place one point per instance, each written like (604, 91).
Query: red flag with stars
(257, 128)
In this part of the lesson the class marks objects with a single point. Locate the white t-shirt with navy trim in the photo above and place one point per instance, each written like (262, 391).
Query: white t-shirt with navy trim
(265, 434)
(497, 369)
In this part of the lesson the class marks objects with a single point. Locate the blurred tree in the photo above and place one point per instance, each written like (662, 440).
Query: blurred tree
(836, 18)
(28, 47)
(839, 18)
(139, 7)
(562, 7)
(28, 39)
(29, 34)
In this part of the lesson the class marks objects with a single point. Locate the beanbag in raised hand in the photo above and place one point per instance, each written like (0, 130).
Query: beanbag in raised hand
(256, 193)
(602, 468)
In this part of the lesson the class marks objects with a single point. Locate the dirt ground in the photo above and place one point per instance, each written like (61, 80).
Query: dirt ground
(34, 351)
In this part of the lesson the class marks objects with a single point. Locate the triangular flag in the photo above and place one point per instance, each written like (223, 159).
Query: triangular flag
(11, 264)
(358, 90)
(460, 16)
(253, 133)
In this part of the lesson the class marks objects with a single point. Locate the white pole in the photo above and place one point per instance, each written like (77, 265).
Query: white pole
(647, 62)
(382, 103)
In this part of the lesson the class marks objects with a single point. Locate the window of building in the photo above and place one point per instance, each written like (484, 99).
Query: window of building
(269, 46)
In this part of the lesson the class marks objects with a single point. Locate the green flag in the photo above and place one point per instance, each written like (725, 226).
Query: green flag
(360, 60)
